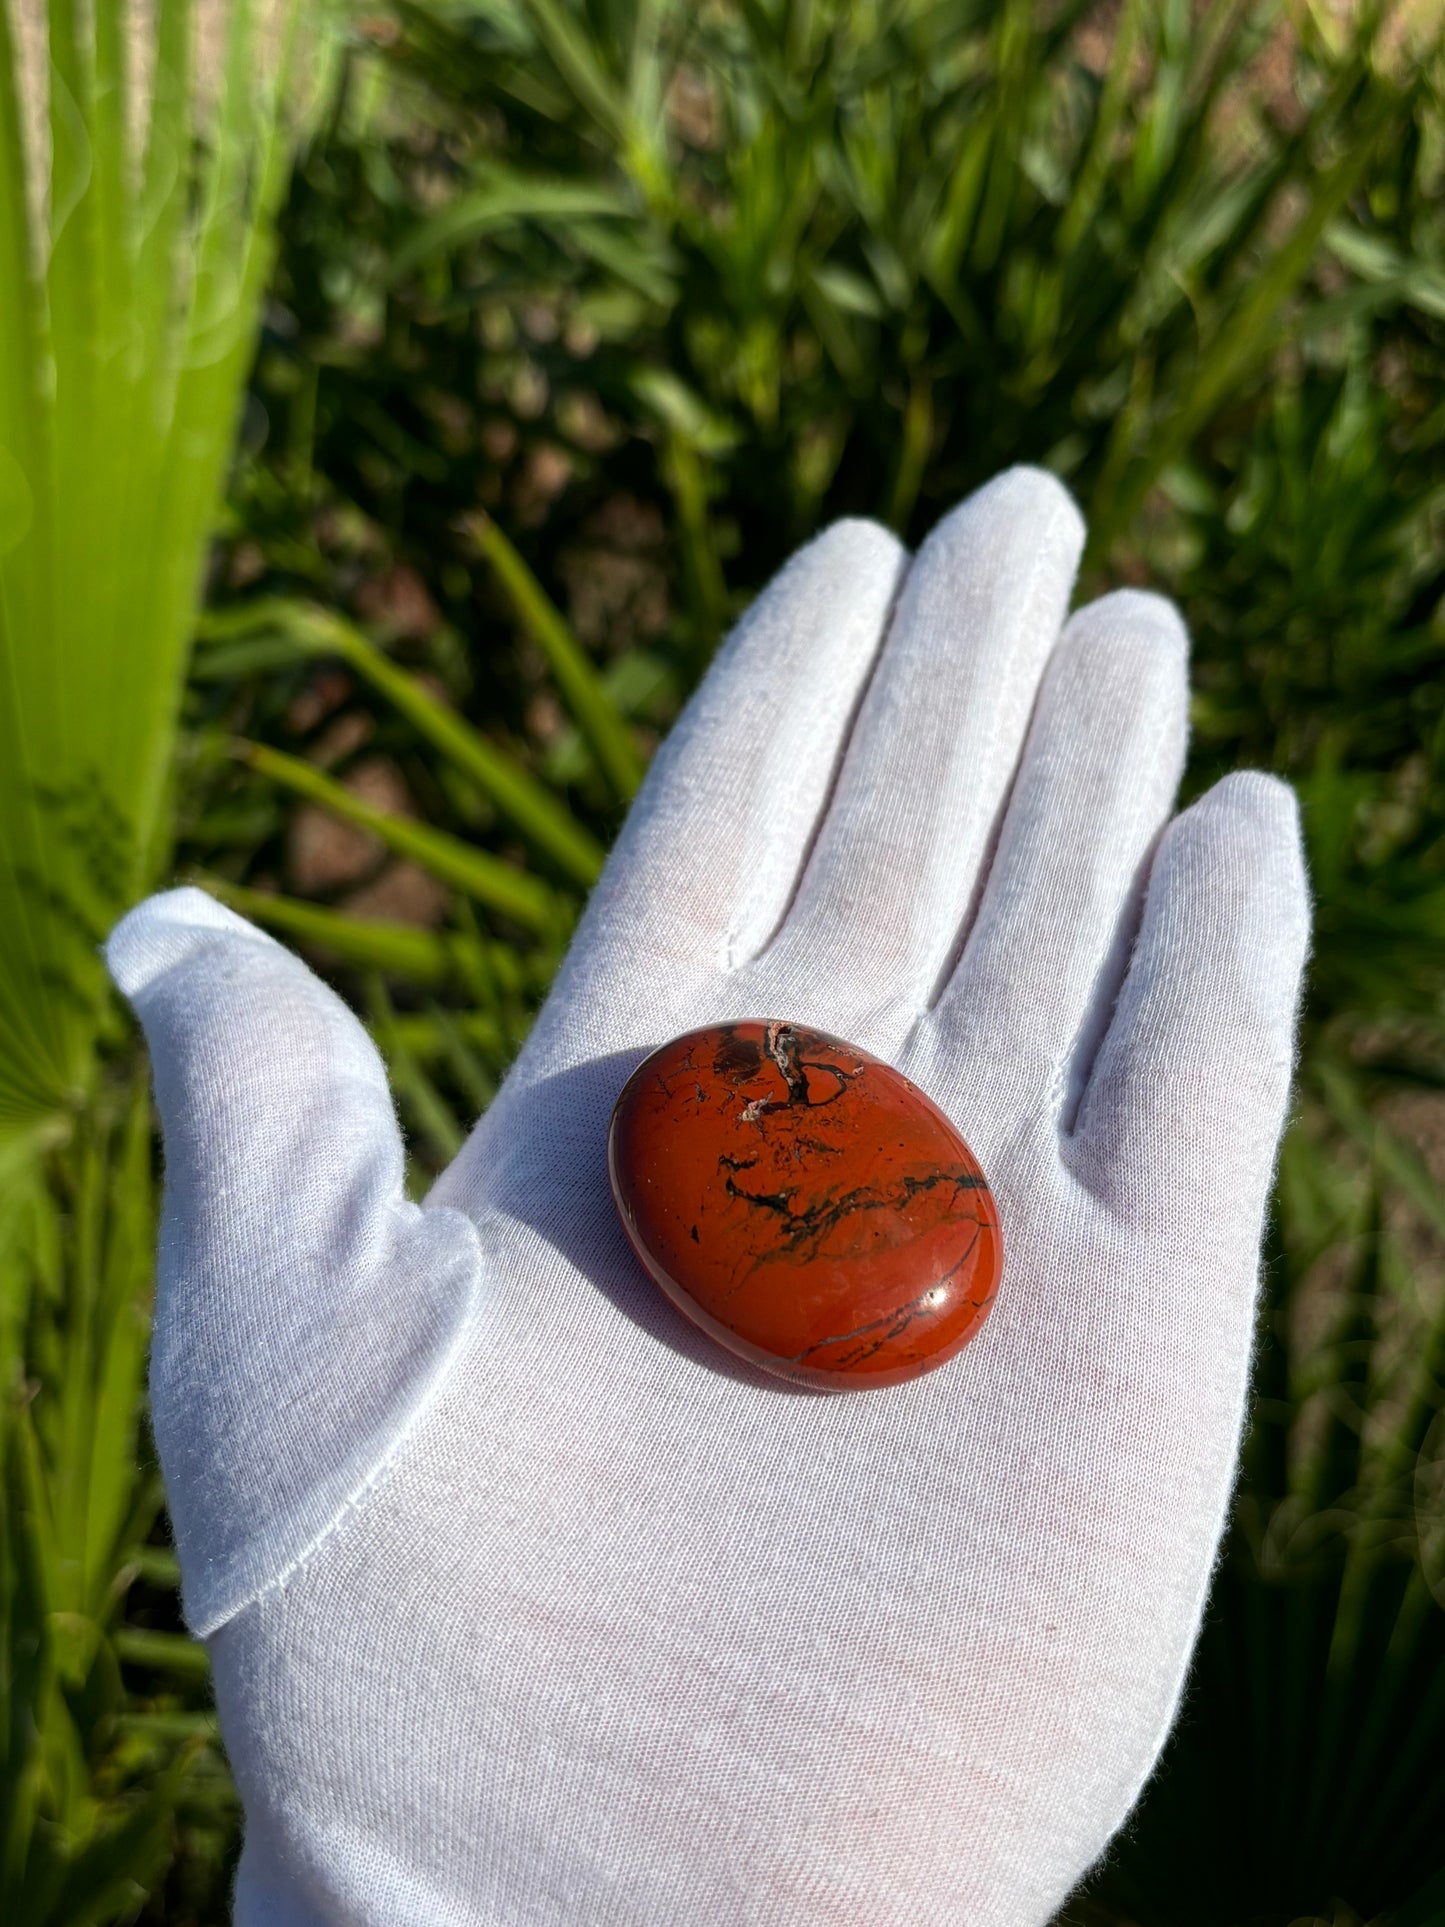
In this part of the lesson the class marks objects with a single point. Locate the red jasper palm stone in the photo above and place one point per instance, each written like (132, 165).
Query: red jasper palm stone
(804, 1204)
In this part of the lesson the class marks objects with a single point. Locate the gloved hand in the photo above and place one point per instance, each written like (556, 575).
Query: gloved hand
(526, 1603)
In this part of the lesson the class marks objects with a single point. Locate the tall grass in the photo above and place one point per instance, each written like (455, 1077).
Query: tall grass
(135, 244)
(142, 162)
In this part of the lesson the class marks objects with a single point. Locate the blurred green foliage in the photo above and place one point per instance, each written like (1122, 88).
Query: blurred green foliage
(142, 160)
(135, 245)
(585, 313)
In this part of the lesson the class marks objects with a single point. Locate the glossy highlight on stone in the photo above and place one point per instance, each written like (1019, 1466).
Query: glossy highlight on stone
(804, 1204)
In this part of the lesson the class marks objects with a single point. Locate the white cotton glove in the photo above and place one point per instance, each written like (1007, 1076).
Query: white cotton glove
(528, 1604)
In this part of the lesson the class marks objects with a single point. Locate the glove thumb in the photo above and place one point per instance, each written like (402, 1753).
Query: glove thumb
(303, 1306)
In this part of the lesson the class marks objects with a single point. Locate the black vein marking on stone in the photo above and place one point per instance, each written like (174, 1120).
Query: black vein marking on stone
(817, 1220)
(807, 1228)
(841, 1080)
(890, 1325)
(814, 1223)
(684, 1069)
(980, 1305)
(896, 1321)
(819, 1144)
(779, 1201)
(784, 1046)
(696, 1240)
(727, 1162)
(964, 1256)
(960, 1180)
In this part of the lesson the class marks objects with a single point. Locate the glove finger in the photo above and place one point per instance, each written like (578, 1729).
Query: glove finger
(1042, 964)
(711, 851)
(1187, 1096)
(303, 1305)
(933, 752)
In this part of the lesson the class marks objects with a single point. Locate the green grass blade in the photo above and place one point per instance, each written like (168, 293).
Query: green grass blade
(171, 1653)
(499, 885)
(424, 958)
(581, 689)
(502, 198)
(1250, 332)
(527, 803)
(563, 33)
(1092, 176)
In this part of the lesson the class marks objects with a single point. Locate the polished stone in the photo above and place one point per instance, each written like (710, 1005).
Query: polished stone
(804, 1204)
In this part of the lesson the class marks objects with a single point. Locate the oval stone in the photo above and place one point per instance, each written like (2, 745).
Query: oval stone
(804, 1204)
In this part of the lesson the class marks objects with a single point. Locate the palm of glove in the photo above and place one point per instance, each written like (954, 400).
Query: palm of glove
(526, 1603)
